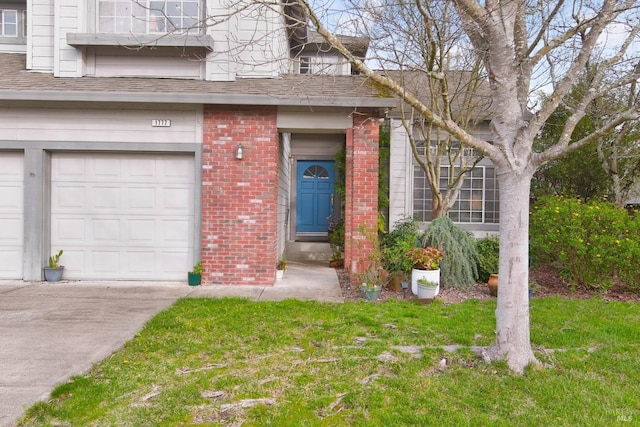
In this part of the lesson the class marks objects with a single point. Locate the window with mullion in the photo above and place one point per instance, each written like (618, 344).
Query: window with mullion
(477, 201)
(8, 23)
(148, 16)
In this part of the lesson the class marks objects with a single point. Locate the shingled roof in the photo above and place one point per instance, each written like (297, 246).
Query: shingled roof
(16, 83)
(461, 85)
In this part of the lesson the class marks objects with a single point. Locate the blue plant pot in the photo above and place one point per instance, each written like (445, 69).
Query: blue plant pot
(53, 274)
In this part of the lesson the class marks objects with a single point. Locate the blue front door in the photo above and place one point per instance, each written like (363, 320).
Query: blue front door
(315, 196)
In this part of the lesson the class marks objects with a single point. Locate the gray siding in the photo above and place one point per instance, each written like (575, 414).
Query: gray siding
(100, 125)
(113, 62)
(284, 191)
(400, 174)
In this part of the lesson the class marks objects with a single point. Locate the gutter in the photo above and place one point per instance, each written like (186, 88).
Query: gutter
(193, 98)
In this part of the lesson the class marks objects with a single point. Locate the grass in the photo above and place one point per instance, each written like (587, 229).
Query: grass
(292, 363)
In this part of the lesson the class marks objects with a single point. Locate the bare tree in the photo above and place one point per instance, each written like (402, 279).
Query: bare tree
(619, 151)
(523, 44)
(424, 49)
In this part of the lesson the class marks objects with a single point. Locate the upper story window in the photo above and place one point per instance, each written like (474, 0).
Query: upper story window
(8, 23)
(13, 23)
(148, 16)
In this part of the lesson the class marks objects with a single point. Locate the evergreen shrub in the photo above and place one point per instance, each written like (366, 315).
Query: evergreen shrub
(458, 268)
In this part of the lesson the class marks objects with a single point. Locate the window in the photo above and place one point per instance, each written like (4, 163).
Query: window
(305, 63)
(477, 202)
(320, 65)
(9, 23)
(315, 172)
(148, 16)
(13, 24)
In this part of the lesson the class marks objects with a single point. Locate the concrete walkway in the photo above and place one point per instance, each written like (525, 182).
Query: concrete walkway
(52, 331)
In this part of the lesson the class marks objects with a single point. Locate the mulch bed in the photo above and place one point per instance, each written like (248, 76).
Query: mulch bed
(548, 284)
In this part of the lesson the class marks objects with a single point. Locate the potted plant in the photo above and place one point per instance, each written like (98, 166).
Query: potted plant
(195, 277)
(53, 273)
(371, 284)
(281, 266)
(427, 289)
(426, 265)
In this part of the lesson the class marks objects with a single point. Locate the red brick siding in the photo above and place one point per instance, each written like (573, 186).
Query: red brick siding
(239, 197)
(361, 188)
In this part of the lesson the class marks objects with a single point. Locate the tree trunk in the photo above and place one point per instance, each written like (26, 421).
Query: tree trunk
(512, 312)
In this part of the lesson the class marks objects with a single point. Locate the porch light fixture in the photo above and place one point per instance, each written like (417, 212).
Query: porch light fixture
(239, 152)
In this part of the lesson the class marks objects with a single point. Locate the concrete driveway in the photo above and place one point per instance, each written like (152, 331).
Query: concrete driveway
(50, 332)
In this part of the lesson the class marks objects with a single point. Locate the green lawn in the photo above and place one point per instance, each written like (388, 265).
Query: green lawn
(231, 361)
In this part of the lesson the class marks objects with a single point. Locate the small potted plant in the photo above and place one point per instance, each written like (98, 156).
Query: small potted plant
(53, 273)
(427, 289)
(371, 282)
(195, 277)
(426, 265)
(281, 266)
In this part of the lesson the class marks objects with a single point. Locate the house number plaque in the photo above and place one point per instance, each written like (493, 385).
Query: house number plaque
(161, 123)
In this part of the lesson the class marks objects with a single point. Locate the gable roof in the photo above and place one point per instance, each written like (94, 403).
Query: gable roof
(18, 84)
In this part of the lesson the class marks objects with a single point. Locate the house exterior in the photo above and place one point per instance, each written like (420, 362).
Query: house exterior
(139, 140)
(410, 196)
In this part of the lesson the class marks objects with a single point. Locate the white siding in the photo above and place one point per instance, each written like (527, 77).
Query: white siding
(319, 119)
(40, 31)
(113, 65)
(260, 34)
(68, 61)
(99, 125)
(219, 66)
(400, 174)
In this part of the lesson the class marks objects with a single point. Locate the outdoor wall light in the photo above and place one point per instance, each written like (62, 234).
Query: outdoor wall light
(239, 152)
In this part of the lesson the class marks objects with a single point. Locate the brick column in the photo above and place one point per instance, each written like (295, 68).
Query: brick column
(239, 197)
(361, 180)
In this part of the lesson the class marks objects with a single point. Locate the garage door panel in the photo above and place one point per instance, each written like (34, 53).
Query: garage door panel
(175, 231)
(9, 260)
(10, 197)
(11, 214)
(68, 230)
(105, 198)
(137, 224)
(69, 198)
(172, 261)
(105, 231)
(142, 230)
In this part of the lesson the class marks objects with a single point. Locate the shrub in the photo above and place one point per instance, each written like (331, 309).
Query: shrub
(588, 243)
(458, 267)
(396, 243)
(488, 249)
(336, 237)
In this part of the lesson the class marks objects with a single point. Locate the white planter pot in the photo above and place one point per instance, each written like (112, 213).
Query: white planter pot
(428, 291)
(430, 275)
(279, 274)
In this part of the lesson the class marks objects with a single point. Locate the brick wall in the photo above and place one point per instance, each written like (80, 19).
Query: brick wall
(239, 197)
(361, 201)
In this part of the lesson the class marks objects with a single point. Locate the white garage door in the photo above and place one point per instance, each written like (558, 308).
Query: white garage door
(11, 211)
(123, 216)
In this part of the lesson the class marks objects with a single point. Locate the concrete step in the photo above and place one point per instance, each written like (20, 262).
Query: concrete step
(303, 251)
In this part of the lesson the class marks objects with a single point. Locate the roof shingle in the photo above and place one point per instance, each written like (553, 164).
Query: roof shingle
(16, 83)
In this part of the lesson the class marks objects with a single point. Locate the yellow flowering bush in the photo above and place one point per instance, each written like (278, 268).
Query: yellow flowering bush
(591, 243)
